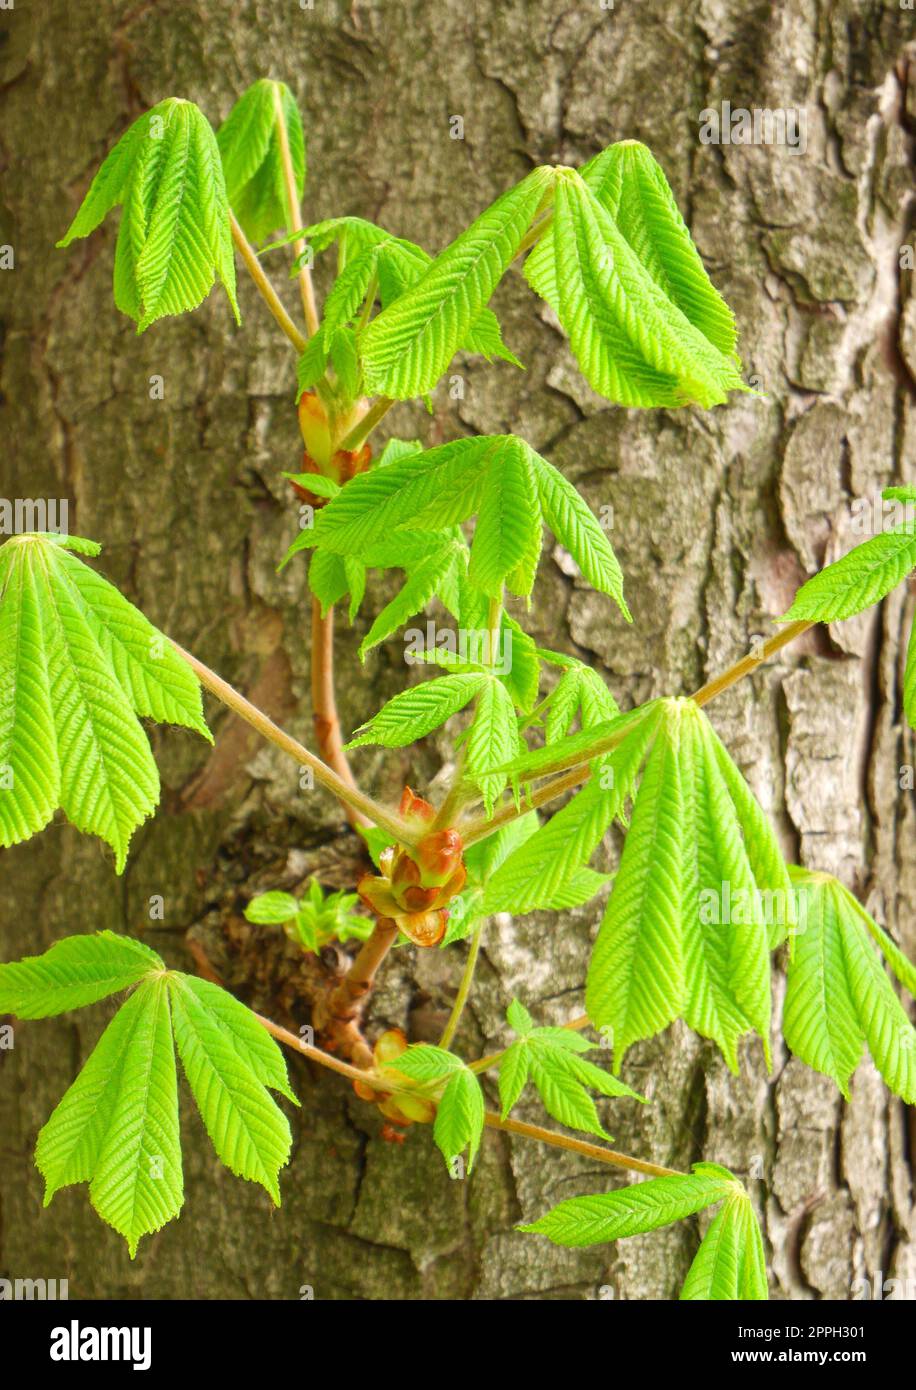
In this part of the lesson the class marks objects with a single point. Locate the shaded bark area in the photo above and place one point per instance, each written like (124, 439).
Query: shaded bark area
(716, 519)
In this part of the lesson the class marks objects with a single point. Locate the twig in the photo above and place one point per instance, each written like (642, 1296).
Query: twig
(268, 293)
(349, 796)
(306, 288)
(361, 431)
(324, 706)
(464, 988)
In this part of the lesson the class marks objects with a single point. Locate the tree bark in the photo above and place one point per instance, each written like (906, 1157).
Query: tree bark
(717, 518)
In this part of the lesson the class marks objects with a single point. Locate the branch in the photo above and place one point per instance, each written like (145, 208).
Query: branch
(332, 781)
(578, 771)
(361, 431)
(324, 706)
(266, 289)
(546, 1136)
(306, 287)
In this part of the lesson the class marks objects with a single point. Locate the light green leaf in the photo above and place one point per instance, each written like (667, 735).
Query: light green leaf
(513, 1073)
(249, 1132)
(249, 146)
(838, 996)
(858, 580)
(533, 876)
(579, 691)
(136, 1183)
(460, 1117)
(406, 349)
(271, 909)
(575, 527)
(634, 344)
(484, 857)
(174, 237)
(78, 663)
(251, 1040)
(909, 680)
(422, 1062)
(643, 1206)
(416, 712)
(423, 583)
(730, 1263)
(72, 973)
(509, 524)
(492, 739)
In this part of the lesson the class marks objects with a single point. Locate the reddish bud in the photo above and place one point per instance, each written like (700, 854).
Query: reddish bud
(414, 808)
(438, 855)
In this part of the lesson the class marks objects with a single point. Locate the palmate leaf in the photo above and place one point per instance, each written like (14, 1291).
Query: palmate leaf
(499, 478)
(861, 578)
(117, 1128)
(581, 692)
(406, 349)
(730, 1263)
(552, 1058)
(174, 238)
(687, 931)
(838, 996)
(249, 146)
(633, 343)
(460, 1105)
(629, 1211)
(631, 185)
(78, 664)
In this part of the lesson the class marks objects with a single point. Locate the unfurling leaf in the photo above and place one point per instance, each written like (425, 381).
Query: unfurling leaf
(174, 238)
(249, 146)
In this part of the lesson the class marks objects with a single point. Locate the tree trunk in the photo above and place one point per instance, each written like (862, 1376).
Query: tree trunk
(717, 517)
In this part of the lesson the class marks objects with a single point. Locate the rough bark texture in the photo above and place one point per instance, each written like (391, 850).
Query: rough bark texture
(717, 517)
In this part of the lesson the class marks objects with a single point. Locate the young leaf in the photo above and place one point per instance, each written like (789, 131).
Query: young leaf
(579, 691)
(634, 345)
(174, 237)
(136, 1182)
(685, 931)
(78, 664)
(116, 1127)
(574, 525)
(730, 1263)
(460, 1117)
(509, 524)
(859, 579)
(272, 909)
(425, 580)
(628, 1211)
(909, 680)
(492, 739)
(249, 146)
(250, 1134)
(838, 996)
(408, 346)
(629, 182)
(535, 874)
(417, 711)
(72, 973)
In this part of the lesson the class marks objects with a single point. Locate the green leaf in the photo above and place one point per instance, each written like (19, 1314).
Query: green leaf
(78, 664)
(858, 580)
(249, 1132)
(629, 182)
(272, 909)
(484, 857)
(579, 691)
(584, 747)
(838, 996)
(518, 1018)
(575, 527)
(629, 1211)
(460, 1117)
(76, 971)
(422, 1062)
(249, 146)
(132, 1134)
(685, 931)
(509, 524)
(633, 343)
(492, 739)
(174, 238)
(513, 1073)
(406, 349)
(730, 1263)
(424, 581)
(416, 712)
(116, 1128)
(535, 874)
